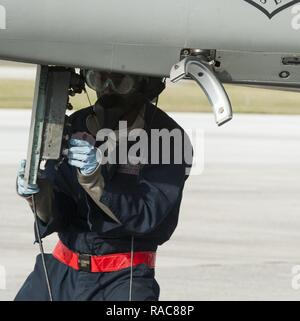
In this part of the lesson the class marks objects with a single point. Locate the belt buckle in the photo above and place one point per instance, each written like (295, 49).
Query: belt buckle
(84, 262)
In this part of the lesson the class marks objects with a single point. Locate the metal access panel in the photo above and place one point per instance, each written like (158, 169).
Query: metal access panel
(280, 70)
(57, 99)
(47, 119)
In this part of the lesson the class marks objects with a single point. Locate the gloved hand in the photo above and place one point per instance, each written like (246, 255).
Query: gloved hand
(22, 191)
(83, 155)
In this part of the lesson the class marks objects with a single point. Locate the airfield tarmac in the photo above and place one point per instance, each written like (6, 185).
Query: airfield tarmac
(238, 236)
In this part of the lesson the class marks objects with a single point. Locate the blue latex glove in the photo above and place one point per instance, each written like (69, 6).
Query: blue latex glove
(22, 191)
(83, 155)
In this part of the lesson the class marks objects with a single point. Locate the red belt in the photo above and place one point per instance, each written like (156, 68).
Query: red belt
(102, 263)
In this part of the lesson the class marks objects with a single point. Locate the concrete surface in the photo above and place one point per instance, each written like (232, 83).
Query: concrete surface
(239, 231)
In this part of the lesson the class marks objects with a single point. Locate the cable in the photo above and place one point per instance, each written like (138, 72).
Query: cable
(131, 270)
(41, 248)
(88, 97)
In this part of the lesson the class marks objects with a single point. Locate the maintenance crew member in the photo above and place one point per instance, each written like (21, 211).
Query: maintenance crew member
(110, 218)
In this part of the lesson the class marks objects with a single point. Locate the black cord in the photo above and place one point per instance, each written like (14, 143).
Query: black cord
(41, 248)
(88, 97)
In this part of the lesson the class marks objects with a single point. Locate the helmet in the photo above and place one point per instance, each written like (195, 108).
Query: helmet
(104, 82)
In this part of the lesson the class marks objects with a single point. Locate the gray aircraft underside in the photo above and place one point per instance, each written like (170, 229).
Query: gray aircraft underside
(250, 42)
(148, 36)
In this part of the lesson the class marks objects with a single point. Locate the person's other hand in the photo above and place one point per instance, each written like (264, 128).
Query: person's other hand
(30, 189)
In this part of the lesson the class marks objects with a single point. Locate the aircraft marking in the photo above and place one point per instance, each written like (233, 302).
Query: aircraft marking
(272, 7)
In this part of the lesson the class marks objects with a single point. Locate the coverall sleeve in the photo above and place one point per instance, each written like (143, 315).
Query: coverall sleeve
(93, 185)
(44, 201)
(48, 203)
(159, 190)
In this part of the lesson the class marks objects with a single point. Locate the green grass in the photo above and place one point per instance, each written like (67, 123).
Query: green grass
(185, 96)
(19, 94)
(188, 97)
(16, 93)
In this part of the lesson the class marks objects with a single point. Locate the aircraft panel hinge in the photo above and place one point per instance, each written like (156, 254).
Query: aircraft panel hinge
(202, 72)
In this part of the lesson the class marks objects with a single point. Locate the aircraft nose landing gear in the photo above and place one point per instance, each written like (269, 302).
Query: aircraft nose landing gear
(197, 68)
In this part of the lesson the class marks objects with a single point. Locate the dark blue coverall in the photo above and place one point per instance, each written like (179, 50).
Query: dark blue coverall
(147, 205)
